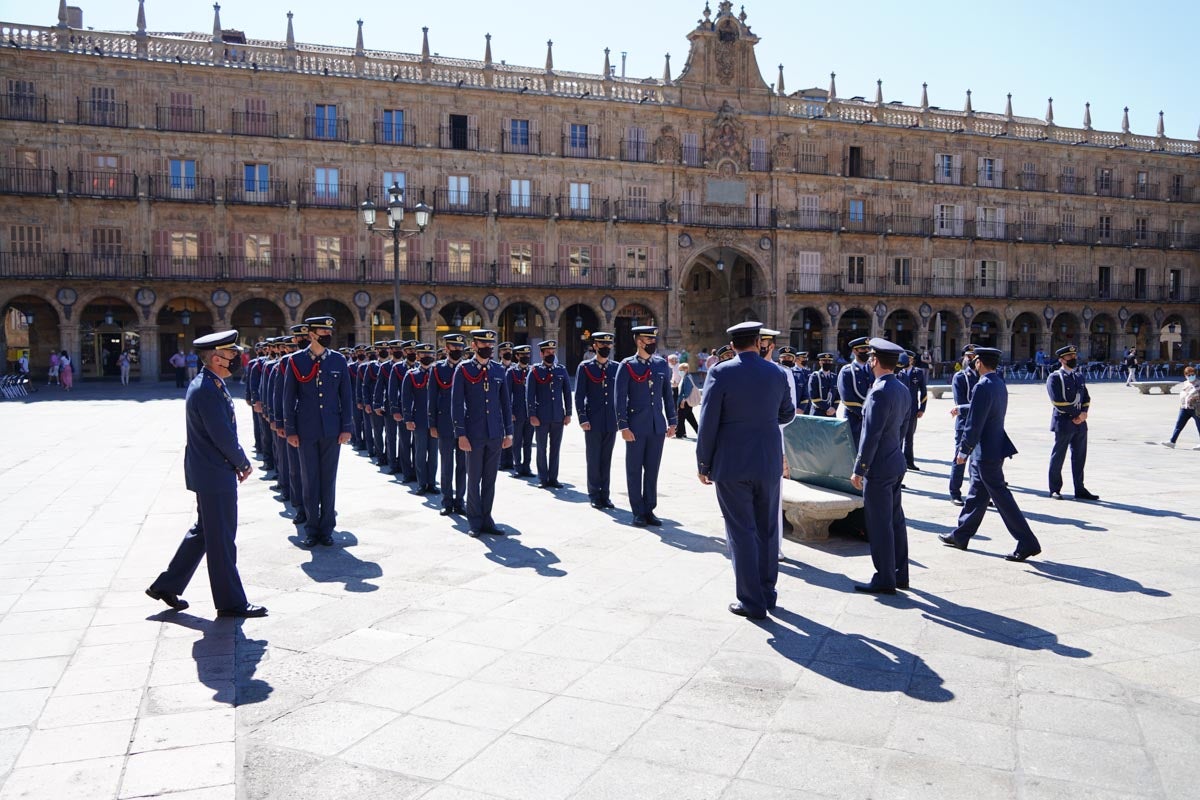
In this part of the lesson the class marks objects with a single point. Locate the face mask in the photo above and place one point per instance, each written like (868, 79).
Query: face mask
(411, 358)
(549, 359)
(603, 352)
(506, 357)
(762, 351)
(789, 362)
(861, 357)
(1071, 362)
(426, 360)
(234, 365)
(326, 340)
(523, 360)
(826, 366)
(651, 348)
(454, 355)
(1193, 378)
(484, 352)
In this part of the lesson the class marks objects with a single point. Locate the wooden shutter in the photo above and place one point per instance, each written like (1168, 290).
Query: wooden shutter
(564, 255)
(308, 248)
(237, 245)
(476, 252)
(441, 251)
(503, 255)
(539, 254)
(162, 243)
(598, 257)
(414, 250)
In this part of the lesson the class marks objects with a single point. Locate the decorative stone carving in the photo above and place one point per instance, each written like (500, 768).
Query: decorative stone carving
(781, 151)
(727, 137)
(667, 146)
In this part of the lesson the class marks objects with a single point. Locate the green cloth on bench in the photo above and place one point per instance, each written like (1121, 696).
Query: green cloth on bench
(821, 452)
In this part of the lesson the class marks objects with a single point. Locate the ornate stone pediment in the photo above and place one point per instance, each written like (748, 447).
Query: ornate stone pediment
(721, 64)
(667, 146)
(726, 138)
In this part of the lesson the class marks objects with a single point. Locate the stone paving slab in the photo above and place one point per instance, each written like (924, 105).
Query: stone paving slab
(581, 657)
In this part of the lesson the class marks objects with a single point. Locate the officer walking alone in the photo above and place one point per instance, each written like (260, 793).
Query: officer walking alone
(213, 466)
(645, 414)
(595, 382)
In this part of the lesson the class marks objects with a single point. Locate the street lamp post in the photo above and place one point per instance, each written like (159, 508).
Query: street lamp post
(395, 212)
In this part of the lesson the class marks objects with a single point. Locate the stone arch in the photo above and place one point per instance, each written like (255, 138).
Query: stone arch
(383, 323)
(1026, 333)
(270, 316)
(343, 318)
(986, 327)
(1100, 339)
(522, 320)
(1172, 338)
(902, 326)
(1064, 330)
(627, 316)
(579, 322)
(807, 329)
(948, 335)
(853, 323)
(458, 316)
(108, 324)
(37, 339)
(713, 284)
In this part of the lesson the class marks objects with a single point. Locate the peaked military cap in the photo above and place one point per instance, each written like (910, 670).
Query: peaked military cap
(602, 337)
(786, 350)
(645, 330)
(968, 348)
(409, 342)
(548, 344)
(424, 348)
(454, 338)
(522, 350)
(904, 359)
(802, 354)
(380, 344)
(1061, 352)
(910, 353)
(826, 357)
(484, 335)
(505, 346)
(725, 352)
(862, 341)
(994, 352)
(319, 322)
(768, 334)
(878, 345)
(360, 347)
(745, 328)
(224, 340)
(299, 330)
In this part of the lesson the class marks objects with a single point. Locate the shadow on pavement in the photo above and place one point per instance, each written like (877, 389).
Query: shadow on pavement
(509, 552)
(672, 534)
(243, 689)
(338, 565)
(1092, 578)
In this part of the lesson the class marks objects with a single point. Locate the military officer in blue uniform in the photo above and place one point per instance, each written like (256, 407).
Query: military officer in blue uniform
(316, 406)
(548, 397)
(798, 375)
(985, 444)
(249, 380)
(405, 457)
(823, 396)
(213, 466)
(645, 412)
(962, 386)
(382, 402)
(263, 406)
(595, 382)
(373, 420)
(879, 468)
(738, 450)
(505, 352)
(414, 406)
(299, 338)
(354, 365)
(515, 378)
(918, 388)
(441, 426)
(803, 372)
(482, 413)
(288, 482)
(853, 383)
(1069, 394)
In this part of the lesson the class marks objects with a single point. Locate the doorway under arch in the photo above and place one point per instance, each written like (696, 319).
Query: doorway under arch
(343, 319)
(383, 323)
(107, 326)
(578, 324)
(807, 332)
(1026, 332)
(900, 327)
(853, 324)
(256, 319)
(1063, 331)
(31, 329)
(628, 317)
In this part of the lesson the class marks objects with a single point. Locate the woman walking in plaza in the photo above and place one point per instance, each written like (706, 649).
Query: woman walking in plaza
(66, 373)
(1189, 398)
(53, 376)
(123, 363)
(688, 399)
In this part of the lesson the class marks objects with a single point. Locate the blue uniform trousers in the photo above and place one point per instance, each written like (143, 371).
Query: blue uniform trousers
(258, 437)
(391, 461)
(549, 444)
(212, 537)
(405, 452)
(987, 483)
(358, 440)
(957, 471)
(910, 431)
(642, 458)
(522, 446)
(1068, 435)
(887, 530)
(380, 454)
(295, 474)
(454, 472)
(318, 466)
(855, 421)
(264, 435)
(425, 457)
(751, 511)
(599, 449)
(483, 462)
(283, 474)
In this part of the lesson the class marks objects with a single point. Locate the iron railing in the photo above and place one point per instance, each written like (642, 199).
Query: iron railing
(22, 180)
(254, 123)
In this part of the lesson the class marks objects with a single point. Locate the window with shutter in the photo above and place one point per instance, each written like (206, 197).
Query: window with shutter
(106, 242)
(808, 271)
(519, 193)
(856, 270)
(328, 253)
(635, 263)
(692, 157)
(458, 257)
(258, 251)
(520, 259)
(579, 262)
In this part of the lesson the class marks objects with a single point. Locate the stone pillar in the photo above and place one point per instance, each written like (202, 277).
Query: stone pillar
(830, 338)
(1005, 343)
(150, 358)
(362, 333)
(69, 340)
(1044, 337)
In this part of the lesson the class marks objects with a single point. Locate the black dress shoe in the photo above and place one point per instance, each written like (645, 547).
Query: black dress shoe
(447, 511)
(867, 588)
(554, 484)
(310, 541)
(1017, 555)
(275, 487)
(742, 611)
(914, 467)
(653, 520)
(597, 504)
(173, 600)
(300, 519)
(249, 610)
(460, 508)
(1086, 495)
(957, 501)
(902, 585)
(1055, 495)
(326, 539)
(491, 530)
(640, 521)
(543, 485)
(608, 504)
(474, 534)
(949, 540)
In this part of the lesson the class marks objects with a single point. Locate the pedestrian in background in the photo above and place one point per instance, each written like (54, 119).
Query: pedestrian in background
(179, 363)
(123, 363)
(52, 377)
(689, 398)
(1189, 397)
(66, 371)
(1131, 365)
(193, 364)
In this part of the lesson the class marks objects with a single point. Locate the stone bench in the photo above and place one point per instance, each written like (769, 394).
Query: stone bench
(810, 509)
(1164, 387)
(938, 389)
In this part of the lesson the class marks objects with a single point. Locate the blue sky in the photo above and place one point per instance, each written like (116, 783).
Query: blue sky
(1110, 53)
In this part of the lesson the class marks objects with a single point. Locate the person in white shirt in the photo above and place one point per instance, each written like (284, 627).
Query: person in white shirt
(1189, 399)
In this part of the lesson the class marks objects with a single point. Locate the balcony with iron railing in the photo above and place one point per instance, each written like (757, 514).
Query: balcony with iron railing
(581, 146)
(908, 225)
(25, 107)
(251, 191)
(989, 177)
(760, 161)
(1027, 181)
(182, 189)
(454, 137)
(456, 201)
(254, 123)
(395, 133)
(1072, 184)
(328, 195)
(102, 113)
(523, 205)
(726, 216)
(102, 183)
(1145, 191)
(1109, 187)
(627, 210)
(811, 164)
(21, 180)
(183, 119)
(637, 150)
(858, 167)
(1179, 193)
(328, 129)
(576, 208)
(903, 171)
(693, 156)
(947, 175)
(527, 144)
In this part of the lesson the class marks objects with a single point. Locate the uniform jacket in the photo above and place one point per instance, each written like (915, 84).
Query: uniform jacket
(253, 370)
(594, 388)
(918, 386)
(822, 392)
(479, 401)
(854, 382)
(212, 456)
(275, 383)
(441, 416)
(316, 395)
(380, 398)
(548, 393)
(353, 367)
(800, 376)
(368, 376)
(885, 419)
(414, 396)
(395, 383)
(1069, 393)
(984, 435)
(642, 399)
(963, 386)
(745, 401)
(515, 378)
(263, 392)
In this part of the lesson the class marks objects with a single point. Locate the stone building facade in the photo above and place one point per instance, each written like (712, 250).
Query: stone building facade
(155, 186)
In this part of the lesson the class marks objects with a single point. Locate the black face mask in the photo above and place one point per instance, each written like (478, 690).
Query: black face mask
(325, 341)
(454, 355)
(826, 366)
(361, 357)
(604, 352)
(1071, 362)
(762, 351)
(651, 348)
(234, 365)
(788, 362)
(411, 358)
(484, 352)
(549, 359)
(506, 356)
(523, 360)
(861, 357)
(426, 360)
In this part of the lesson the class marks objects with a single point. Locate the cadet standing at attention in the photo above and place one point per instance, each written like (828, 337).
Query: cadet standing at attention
(213, 466)
(374, 421)
(298, 340)
(316, 408)
(441, 426)
(504, 351)
(390, 373)
(822, 388)
(738, 449)
(595, 382)
(483, 424)
(250, 385)
(548, 397)
(797, 375)
(853, 383)
(354, 366)
(963, 387)
(515, 378)
(645, 414)
(414, 411)
(1069, 393)
(405, 455)
(879, 468)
